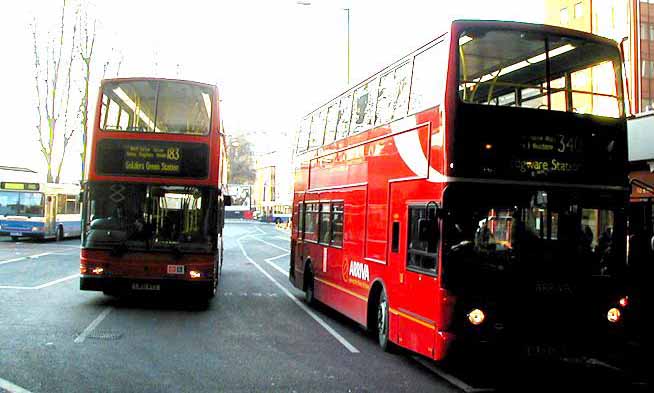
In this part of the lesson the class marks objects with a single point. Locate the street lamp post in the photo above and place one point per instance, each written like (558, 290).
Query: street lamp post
(347, 12)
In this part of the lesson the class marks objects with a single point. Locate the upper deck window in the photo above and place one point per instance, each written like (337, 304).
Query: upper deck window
(156, 106)
(541, 71)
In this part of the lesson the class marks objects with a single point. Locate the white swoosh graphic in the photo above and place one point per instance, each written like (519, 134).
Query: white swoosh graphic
(409, 148)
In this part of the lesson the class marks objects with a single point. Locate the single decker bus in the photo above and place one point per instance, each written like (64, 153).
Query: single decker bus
(153, 207)
(471, 196)
(30, 208)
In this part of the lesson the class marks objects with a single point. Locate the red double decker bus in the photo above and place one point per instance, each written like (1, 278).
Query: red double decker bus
(471, 194)
(153, 207)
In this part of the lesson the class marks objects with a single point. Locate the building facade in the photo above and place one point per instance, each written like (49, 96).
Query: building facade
(273, 186)
(630, 22)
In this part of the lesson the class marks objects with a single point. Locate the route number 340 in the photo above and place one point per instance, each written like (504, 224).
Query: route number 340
(569, 144)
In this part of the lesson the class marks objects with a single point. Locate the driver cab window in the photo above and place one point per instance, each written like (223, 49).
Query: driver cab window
(423, 235)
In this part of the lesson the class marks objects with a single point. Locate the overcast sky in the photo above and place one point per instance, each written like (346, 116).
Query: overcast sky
(273, 60)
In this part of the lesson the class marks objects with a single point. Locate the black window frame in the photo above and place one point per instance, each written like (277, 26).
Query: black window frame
(334, 212)
(412, 231)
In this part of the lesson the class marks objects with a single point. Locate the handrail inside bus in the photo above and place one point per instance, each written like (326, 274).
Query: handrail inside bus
(641, 184)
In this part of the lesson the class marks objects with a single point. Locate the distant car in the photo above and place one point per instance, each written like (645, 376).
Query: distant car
(279, 218)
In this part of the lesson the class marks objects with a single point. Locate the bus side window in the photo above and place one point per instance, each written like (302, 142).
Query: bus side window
(337, 225)
(429, 75)
(365, 102)
(344, 116)
(422, 246)
(61, 204)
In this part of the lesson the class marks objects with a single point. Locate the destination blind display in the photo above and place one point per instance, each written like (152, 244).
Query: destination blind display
(147, 158)
(19, 186)
(548, 156)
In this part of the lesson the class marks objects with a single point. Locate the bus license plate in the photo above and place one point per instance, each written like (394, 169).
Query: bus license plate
(145, 287)
(15, 234)
(175, 269)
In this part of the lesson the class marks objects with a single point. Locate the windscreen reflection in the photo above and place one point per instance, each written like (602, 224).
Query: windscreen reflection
(551, 233)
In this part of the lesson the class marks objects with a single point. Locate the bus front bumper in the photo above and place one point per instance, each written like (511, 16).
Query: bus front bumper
(120, 285)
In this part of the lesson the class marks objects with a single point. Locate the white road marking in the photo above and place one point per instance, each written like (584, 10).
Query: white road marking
(93, 325)
(283, 238)
(276, 266)
(40, 255)
(51, 283)
(35, 256)
(47, 284)
(13, 260)
(303, 306)
(269, 243)
(260, 230)
(11, 387)
(450, 378)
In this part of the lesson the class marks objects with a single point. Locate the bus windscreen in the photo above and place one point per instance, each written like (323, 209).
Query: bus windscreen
(156, 106)
(21, 203)
(541, 71)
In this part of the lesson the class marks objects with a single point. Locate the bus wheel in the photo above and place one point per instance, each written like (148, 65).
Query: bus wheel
(60, 233)
(309, 295)
(278, 220)
(14, 238)
(382, 323)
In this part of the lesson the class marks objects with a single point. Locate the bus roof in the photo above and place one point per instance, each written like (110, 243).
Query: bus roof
(112, 80)
(460, 24)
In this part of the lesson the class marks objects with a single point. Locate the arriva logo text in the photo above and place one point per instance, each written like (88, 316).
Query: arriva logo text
(359, 270)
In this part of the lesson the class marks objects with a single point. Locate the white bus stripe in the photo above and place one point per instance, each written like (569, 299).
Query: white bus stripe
(303, 306)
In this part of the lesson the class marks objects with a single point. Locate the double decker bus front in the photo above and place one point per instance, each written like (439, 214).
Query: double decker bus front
(534, 231)
(151, 218)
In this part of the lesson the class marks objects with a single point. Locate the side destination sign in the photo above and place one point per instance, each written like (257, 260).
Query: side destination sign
(124, 157)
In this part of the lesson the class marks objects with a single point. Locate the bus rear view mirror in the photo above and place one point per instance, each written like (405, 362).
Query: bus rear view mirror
(227, 199)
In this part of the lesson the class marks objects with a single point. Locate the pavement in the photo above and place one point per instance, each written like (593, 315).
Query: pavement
(256, 335)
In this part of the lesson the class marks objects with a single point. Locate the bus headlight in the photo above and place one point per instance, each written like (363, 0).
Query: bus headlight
(195, 274)
(613, 315)
(35, 229)
(476, 317)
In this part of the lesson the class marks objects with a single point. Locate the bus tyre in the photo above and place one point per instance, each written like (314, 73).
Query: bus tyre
(309, 295)
(14, 238)
(382, 323)
(60, 233)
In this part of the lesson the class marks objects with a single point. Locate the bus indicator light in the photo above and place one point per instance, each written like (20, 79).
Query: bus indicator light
(613, 315)
(476, 317)
(624, 302)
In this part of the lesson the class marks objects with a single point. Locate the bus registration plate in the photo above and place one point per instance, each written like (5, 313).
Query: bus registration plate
(175, 269)
(145, 287)
(15, 234)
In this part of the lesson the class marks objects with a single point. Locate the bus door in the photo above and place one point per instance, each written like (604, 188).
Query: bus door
(413, 257)
(50, 214)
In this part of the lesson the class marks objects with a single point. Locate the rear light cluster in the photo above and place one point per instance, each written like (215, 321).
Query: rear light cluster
(614, 315)
(96, 270)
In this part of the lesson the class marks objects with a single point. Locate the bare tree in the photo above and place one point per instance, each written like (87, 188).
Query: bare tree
(53, 91)
(87, 43)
